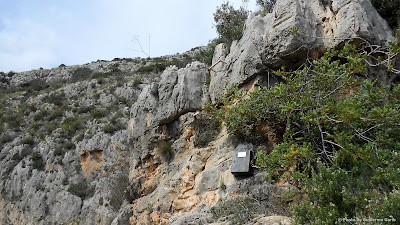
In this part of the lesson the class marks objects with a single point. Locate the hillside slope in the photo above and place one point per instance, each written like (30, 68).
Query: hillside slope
(127, 141)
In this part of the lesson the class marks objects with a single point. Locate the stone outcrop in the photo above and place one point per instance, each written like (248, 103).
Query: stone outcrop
(135, 156)
(271, 41)
(179, 91)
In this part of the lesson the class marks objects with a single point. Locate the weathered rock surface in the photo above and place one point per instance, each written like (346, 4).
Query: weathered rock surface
(178, 92)
(113, 145)
(270, 41)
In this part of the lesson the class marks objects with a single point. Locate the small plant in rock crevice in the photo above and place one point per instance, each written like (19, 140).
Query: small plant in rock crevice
(164, 149)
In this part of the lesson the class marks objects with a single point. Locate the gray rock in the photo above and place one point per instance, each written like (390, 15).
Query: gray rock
(268, 41)
(65, 207)
(106, 100)
(179, 91)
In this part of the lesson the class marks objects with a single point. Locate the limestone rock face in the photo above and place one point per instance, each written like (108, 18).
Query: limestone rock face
(178, 92)
(114, 145)
(270, 41)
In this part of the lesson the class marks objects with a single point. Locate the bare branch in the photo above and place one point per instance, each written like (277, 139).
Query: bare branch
(136, 38)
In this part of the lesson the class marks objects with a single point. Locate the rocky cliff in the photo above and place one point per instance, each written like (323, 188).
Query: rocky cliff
(126, 141)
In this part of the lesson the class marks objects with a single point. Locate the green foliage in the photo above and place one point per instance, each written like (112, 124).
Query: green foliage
(242, 119)
(13, 118)
(97, 113)
(50, 127)
(266, 6)
(206, 56)
(82, 189)
(80, 73)
(110, 129)
(71, 125)
(58, 114)
(156, 67)
(339, 139)
(64, 147)
(389, 10)
(113, 70)
(237, 211)
(206, 131)
(35, 85)
(164, 149)
(41, 115)
(136, 82)
(37, 161)
(28, 141)
(229, 22)
(5, 138)
(294, 30)
(11, 73)
(119, 191)
(55, 98)
(85, 109)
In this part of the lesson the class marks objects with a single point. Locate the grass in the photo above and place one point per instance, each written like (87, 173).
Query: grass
(237, 211)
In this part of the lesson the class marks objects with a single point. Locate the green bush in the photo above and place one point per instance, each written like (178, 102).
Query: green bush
(56, 98)
(339, 142)
(61, 149)
(206, 56)
(55, 115)
(136, 82)
(206, 131)
(96, 113)
(266, 6)
(80, 73)
(5, 138)
(229, 22)
(28, 141)
(50, 127)
(11, 73)
(164, 150)
(71, 125)
(389, 10)
(85, 109)
(41, 115)
(82, 189)
(110, 129)
(13, 118)
(157, 67)
(35, 85)
(37, 161)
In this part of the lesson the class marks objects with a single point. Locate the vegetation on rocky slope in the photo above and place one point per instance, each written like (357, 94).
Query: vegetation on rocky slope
(339, 143)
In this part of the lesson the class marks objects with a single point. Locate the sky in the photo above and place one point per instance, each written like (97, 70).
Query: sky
(47, 33)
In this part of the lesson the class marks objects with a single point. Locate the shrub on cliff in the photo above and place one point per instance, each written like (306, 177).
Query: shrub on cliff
(339, 144)
(82, 189)
(389, 10)
(229, 22)
(266, 6)
(37, 161)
